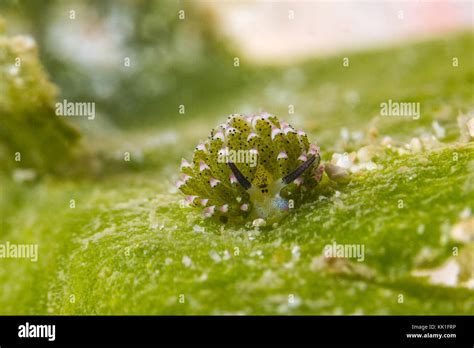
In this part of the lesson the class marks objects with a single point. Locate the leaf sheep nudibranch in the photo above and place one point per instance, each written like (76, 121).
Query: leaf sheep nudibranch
(250, 167)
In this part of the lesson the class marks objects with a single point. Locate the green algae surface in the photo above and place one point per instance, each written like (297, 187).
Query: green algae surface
(118, 241)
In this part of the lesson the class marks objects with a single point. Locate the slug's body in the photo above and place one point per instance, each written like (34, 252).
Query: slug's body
(250, 167)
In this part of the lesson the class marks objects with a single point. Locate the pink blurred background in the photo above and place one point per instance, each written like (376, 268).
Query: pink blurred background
(286, 31)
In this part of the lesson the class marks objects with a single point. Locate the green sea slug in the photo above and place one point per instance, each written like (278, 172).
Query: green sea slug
(251, 167)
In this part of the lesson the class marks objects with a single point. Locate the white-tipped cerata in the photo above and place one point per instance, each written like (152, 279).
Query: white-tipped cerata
(219, 135)
(232, 178)
(281, 155)
(251, 135)
(303, 158)
(214, 182)
(313, 149)
(275, 132)
(203, 166)
(184, 164)
(190, 199)
(209, 211)
(201, 147)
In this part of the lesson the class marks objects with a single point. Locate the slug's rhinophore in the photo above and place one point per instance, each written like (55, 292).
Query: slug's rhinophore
(250, 167)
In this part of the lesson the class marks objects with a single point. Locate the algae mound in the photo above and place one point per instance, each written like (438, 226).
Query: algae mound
(31, 135)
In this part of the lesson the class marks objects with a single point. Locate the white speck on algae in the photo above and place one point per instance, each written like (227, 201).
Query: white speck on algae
(447, 274)
(440, 132)
(215, 256)
(187, 262)
(463, 231)
(198, 229)
(295, 253)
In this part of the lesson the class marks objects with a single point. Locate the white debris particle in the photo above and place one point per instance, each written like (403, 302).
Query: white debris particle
(215, 256)
(259, 222)
(335, 173)
(466, 127)
(198, 229)
(295, 253)
(463, 231)
(364, 154)
(347, 161)
(186, 261)
(465, 213)
(415, 145)
(226, 255)
(447, 274)
(168, 261)
(13, 70)
(401, 151)
(257, 253)
(429, 141)
(155, 226)
(370, 166)
(355, 168)
(470, 126)
(22, 175)
(25, 43)
(440, 132)
(345, 134)
(470, 283)
(342, 160)
(387, 141)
